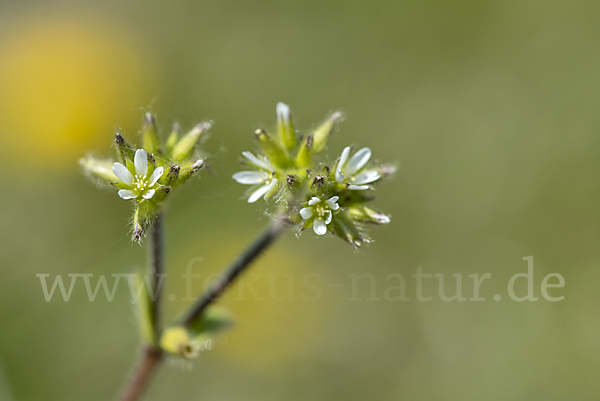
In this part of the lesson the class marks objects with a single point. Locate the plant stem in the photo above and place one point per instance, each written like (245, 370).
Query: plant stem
(152, 354)
(218, 287)
(156, 271)
(151, 357)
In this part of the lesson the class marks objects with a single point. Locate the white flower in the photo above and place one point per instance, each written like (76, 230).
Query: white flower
(320, 212)
(136, 181)
(352, 171)
(263, 178)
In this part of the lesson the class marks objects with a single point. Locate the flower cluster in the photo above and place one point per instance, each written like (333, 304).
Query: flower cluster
(327, 197)
(147, 175)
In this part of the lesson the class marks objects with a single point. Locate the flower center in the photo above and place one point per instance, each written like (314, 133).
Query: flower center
(321, 211)
(140, 182)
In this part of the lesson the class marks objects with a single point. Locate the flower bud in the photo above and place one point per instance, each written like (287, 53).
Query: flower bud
(173, 137)
(188, 169)
(143, 216)
(285, 128)
(149, 135)
(367, 215)
(321, 134)
(272, 150)
(304, 157)
(184, 148)
(345, 229)
(171, 177)
(99, 168)
(176, 340)
(125, 150)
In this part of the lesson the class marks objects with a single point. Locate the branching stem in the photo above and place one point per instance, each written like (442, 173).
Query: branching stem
(152, 354)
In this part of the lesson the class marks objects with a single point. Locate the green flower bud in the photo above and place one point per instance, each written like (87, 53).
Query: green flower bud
(173, 138)
(184, 148)
(273, 151)
(347, 230)
(171, 177)
(321, 134)
(125, 150)
(149, 135)
(367, 215)
(188, 169)
(304, 157)
(176, 340)
(143, 216)
(98, 168)
(285, 128)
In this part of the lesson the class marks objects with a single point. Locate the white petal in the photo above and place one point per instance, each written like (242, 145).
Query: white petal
(283, 112)
(127, 194)
(320, 227)
(273, 184)
(306, 213)
(141, 162)
(358, 161)
(329, 217)
(314, 200)
(255, 161)
(332, 203)
(251, 177)
(339, 176)
(122, 173)
(149, 194)
(358, 187)
(258, 193)
(156, 175)
(344, 157)
(365, 177)
(271, 169)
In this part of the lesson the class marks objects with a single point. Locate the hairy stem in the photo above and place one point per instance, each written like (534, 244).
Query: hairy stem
(151, 352)
(156, 269)
(140, 379)
(218, 287)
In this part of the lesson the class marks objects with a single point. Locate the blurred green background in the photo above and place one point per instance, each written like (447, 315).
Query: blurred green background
(488, 107)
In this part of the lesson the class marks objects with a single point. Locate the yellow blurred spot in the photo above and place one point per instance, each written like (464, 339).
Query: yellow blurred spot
(63, 86)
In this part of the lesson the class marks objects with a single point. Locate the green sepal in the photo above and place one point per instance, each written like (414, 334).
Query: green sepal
(161, 194)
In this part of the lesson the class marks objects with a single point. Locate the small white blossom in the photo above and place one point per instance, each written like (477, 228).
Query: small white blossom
(320, 212)
(352, 172)
(138, 183)
(263, 177)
